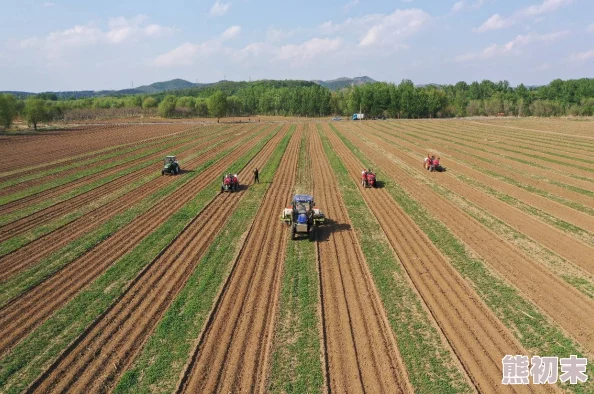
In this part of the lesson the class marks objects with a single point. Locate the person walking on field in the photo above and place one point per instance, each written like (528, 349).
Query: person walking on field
(256, 178)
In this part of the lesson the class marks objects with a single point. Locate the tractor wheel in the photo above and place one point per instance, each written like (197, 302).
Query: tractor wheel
(293, 232)
(162, 172)
(311, 234)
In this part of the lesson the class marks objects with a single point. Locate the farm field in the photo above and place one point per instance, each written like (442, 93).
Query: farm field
(114, 278)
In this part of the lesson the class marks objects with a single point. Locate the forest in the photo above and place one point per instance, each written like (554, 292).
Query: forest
(301, 98)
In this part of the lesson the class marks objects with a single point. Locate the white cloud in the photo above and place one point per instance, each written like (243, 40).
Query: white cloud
(387, 30)
(458, 6)
(496, 21)
(219, 9)
(581, 56)
(347, 7)
(187, 53)
(120, 30)
(49, 4)
(590, 28)
(513, 47)
(309, 49)
(230, 33)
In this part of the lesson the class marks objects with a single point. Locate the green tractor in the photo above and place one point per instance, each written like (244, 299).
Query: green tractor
(171, 166)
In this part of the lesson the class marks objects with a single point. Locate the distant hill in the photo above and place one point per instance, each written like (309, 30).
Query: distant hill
(181, 86)
(174, 84)
(341, 83)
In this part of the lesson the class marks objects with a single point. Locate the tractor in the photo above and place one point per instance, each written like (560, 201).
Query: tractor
(230, 183)
(170, 166)
(368, 178)
(302, 216)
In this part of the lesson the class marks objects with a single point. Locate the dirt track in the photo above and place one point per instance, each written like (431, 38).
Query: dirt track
(478, 338)
(105, 350)
(360, 348)
(34, 306)
(233, 349)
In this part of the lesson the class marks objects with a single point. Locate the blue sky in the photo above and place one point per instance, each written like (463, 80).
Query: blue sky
(84, 45)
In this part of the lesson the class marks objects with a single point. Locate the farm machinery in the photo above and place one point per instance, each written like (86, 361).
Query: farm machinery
(302, 216)
(170, 166)
(230, 183)
(368, 178)
(432, 164)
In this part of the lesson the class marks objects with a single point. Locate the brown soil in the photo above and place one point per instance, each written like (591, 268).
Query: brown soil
(98, 358)
(232, 352)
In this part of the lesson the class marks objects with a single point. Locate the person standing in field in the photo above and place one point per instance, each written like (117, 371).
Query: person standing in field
(256, 177)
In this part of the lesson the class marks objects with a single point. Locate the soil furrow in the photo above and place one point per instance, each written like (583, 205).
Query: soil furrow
(109, 347)
(87, 180)
(61, 146)
(478, 338)
(563, 244)
(563, 212)
(33, 253)
(232, 351)
(33, 307)
(572, 312)
(362, 353)
(35, 219)
(131, 150)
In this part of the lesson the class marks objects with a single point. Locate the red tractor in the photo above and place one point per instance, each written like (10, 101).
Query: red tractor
(230, 183)
(368, 178)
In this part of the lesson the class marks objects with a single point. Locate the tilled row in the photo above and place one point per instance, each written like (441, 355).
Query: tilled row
(33, 307)
(105, 350)
(53, 211)
(563, 212)
(233, 349)
(49, 148)
(58, 190)
(361, 351)
(116, 154)
(477, 337)
(573, 311)
(34, 252)
(562, 243)
(503, 160)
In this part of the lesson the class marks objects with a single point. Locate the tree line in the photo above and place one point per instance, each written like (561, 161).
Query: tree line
(297, 98)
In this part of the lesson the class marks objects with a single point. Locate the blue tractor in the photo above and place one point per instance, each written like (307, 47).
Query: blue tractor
(302, 216)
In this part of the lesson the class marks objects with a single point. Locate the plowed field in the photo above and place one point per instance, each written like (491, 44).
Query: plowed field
(114, 278)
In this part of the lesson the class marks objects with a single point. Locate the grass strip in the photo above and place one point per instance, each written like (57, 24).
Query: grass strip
(506, 179)
(534, 331)
(159, 365)
(296, 358)
(89, 171)
(91, 161)
(29, 358)
(417, 337)
(33, 208)
(28, 278)
(23, 239)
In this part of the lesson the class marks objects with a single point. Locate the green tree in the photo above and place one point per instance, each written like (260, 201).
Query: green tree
(36, 111)
(167, 107)
(149, 102)
(8, 109)
(217, 105)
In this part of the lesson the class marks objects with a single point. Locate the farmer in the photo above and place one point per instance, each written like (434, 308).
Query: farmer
(256, 178)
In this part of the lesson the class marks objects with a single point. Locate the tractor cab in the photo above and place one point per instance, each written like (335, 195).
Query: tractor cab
(170, 166)
(302, 216)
